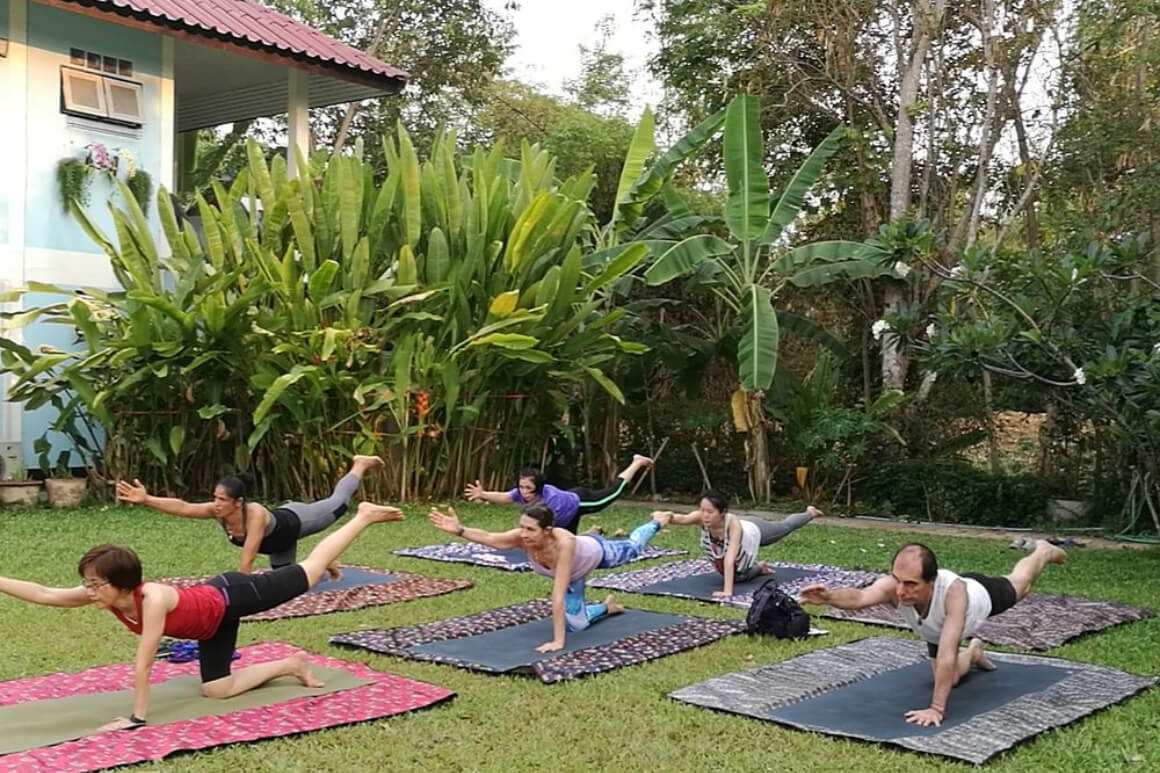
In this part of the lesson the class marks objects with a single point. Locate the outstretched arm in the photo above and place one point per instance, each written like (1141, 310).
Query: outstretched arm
(882, 591)
(449, 522)
(946, 665)
(474, 493)
(35, 593)
(689, 519)
(563, 571)
(137, 494)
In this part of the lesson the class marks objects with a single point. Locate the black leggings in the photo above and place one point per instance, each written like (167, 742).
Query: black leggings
(595, 500)
(245, 594)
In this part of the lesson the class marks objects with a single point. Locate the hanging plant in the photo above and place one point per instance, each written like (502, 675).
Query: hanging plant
(100, 160)
(72, 179)
(141, 186)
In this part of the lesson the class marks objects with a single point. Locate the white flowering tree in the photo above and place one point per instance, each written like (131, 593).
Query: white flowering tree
(1085, 328)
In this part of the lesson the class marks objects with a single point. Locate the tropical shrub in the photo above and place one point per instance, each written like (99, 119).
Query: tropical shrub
(441, 317)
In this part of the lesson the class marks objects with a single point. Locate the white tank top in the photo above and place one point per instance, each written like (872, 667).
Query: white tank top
(929, 628)
(746, 552)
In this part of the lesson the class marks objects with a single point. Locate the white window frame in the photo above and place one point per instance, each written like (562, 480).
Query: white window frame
(136, 88)
(67, 74)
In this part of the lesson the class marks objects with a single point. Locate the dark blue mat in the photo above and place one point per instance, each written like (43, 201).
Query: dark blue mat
(514, 647)
(702, 586)
(875, 708)
(353, 578)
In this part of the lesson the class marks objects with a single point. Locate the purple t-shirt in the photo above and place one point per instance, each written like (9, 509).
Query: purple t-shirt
(564, 504)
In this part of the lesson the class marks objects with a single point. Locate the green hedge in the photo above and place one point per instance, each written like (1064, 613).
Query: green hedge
(952, 491)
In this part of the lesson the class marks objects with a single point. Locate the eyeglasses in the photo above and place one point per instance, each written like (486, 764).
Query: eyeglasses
(94, 584)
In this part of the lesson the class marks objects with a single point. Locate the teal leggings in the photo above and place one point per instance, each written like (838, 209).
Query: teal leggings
(579, 615)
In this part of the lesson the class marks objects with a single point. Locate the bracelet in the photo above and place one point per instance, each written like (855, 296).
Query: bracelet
(462, 529)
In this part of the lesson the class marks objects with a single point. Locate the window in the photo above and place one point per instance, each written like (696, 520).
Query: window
(84, 92)
(92, 95)
(124, 101)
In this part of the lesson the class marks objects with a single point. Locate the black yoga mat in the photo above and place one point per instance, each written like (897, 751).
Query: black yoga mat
(702, 586)
(514, 647)
(864, 689)
(353, 578)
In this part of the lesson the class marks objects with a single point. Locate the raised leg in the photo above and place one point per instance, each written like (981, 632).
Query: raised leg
(1027, 571)
(327, 552)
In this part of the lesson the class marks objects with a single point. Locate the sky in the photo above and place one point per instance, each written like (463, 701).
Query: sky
(549, 34)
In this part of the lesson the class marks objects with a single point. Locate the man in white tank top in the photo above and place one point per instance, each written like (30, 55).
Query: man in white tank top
(942, 608)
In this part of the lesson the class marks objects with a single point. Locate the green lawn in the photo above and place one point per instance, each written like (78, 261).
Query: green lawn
(619, 720)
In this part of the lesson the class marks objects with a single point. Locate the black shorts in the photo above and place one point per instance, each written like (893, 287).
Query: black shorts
(1001, 592)
(245, 594)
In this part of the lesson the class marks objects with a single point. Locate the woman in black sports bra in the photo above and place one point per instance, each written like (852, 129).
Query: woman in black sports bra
(252, 527)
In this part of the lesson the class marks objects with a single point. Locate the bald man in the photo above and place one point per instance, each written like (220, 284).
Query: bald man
(942, 608)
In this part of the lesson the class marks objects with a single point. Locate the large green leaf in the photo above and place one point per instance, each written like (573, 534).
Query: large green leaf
(794, 194)
(828, 252)
(825, 273)
(650, 183)
(626, 261)
(275, 390)
(606, 383)
(506, 341)
(747, 205)
(684, 256)
(639, 149)
(758, 346)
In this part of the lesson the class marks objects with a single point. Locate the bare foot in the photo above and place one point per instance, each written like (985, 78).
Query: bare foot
(361, 463)
(643, 461)
(662, 517)
(979, 658)
(613, 607)
(301, 671)
(594, 531)
(334, 572)
(814, 512)
(1055, 555)
(379, 513)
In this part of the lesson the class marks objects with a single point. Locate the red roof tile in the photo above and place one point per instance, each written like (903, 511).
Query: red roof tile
(249, 24)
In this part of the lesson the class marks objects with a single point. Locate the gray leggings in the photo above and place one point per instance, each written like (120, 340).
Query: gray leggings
(771, 532)
(316, 516)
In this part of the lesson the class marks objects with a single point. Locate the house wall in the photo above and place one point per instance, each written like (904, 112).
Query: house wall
(38, 240)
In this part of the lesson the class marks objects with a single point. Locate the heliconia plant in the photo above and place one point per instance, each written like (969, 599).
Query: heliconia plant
(442, 316)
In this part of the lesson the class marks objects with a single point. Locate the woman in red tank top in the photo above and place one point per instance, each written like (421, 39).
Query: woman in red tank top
(209, 612)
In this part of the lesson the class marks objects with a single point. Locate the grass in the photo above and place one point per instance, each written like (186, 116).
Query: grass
(621, 720)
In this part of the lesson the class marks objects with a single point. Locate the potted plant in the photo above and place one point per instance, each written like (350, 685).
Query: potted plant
(64, 490)
(16, 489)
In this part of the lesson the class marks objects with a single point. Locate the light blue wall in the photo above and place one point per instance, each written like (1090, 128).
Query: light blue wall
(5, 11)
(51, 33)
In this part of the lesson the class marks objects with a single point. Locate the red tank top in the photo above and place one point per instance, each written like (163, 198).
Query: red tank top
(198, 613)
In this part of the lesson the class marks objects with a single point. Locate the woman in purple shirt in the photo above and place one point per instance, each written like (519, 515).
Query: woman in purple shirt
(567, 559)
(567, 504)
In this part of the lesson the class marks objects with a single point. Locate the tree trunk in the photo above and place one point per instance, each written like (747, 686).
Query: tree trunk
(757, 449)
(927, 18)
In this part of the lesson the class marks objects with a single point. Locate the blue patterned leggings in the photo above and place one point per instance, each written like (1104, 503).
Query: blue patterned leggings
(579, 615)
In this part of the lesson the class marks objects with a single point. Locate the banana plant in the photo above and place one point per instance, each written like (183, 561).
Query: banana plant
(748, 269)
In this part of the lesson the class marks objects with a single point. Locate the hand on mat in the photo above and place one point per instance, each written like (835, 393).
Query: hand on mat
(120, 723)
(448, 522)
(817, 593)
(134, 492)
(720, 594)
(473, 492)
(925, 717)
(550, 646)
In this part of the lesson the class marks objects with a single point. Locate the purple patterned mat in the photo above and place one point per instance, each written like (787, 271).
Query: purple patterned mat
(639, 580)
(1038, 622)
(401, 642)
(508, 560)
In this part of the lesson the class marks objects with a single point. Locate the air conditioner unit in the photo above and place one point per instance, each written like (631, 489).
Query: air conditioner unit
(12, 461)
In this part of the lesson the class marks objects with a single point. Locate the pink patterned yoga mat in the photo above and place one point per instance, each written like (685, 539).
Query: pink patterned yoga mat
(407, 587)
(386, 695)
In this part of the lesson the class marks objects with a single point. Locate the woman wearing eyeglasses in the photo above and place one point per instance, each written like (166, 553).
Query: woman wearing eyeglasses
(208, 612)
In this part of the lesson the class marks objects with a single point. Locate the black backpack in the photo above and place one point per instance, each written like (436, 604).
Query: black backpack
(775, 613)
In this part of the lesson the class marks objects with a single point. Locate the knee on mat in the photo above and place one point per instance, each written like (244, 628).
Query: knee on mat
(216, 689)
